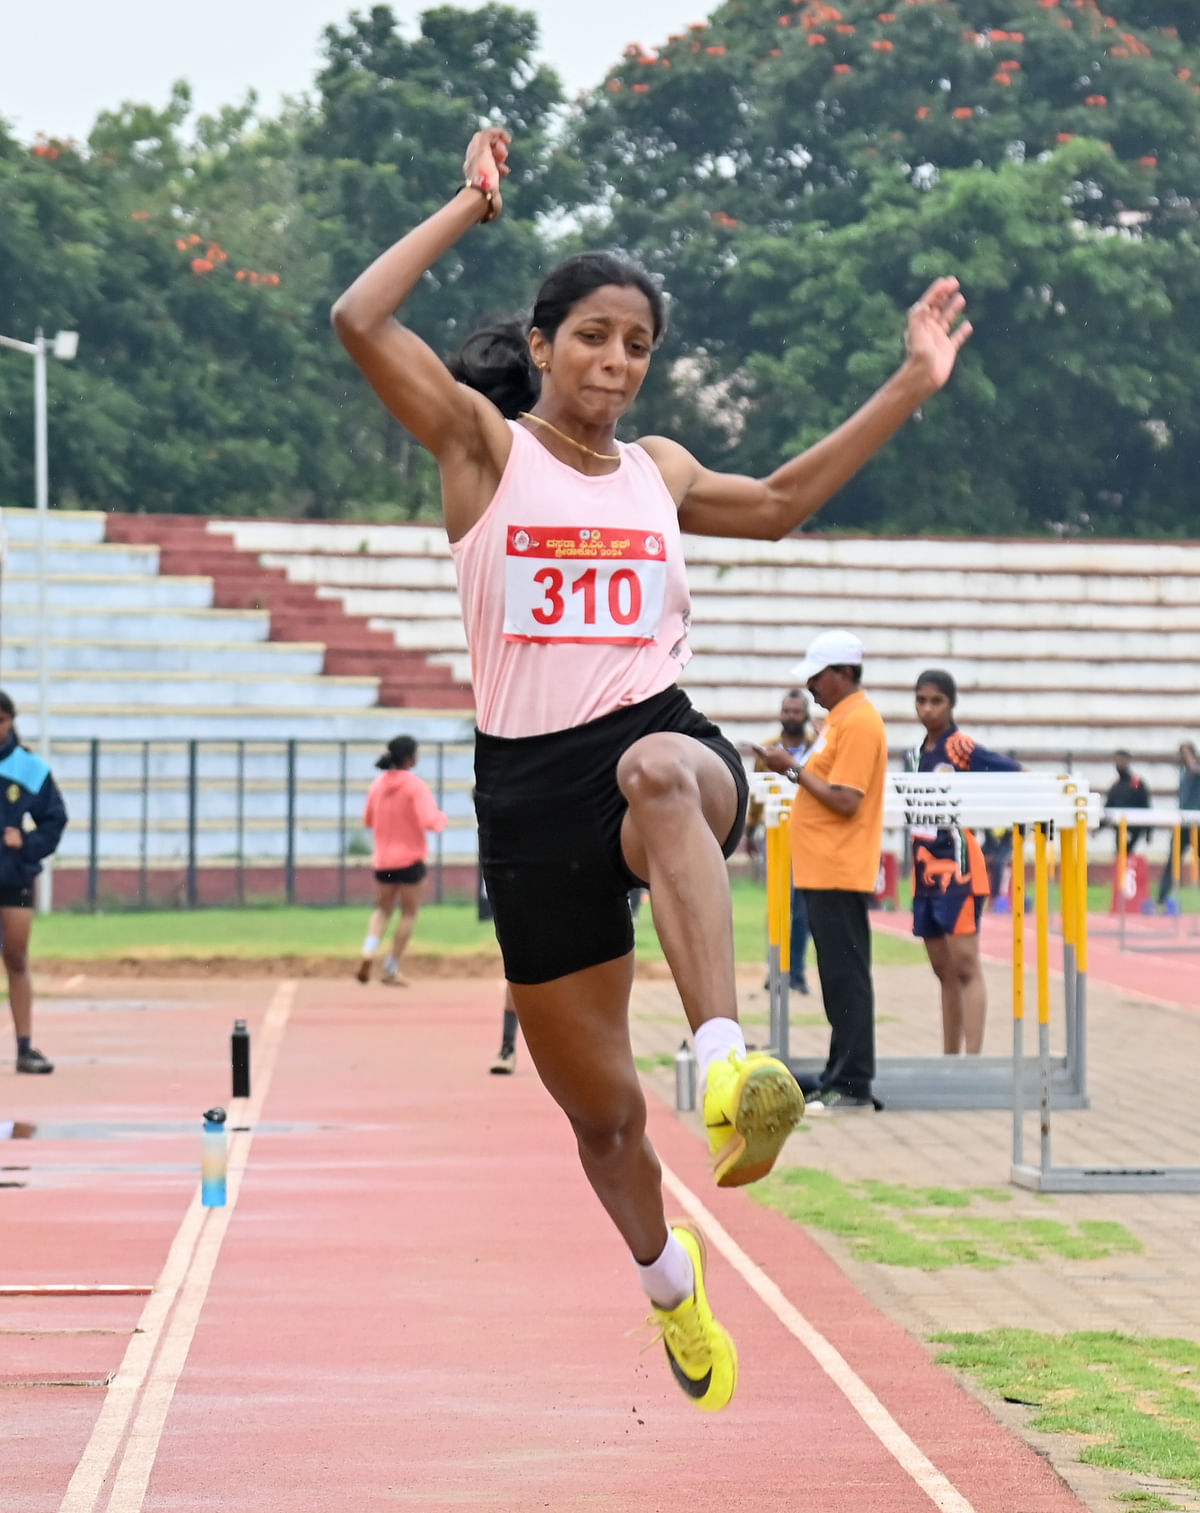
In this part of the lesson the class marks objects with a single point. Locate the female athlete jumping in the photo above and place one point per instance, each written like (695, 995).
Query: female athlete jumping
(594, 774)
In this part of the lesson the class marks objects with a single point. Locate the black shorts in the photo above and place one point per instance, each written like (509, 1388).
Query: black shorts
(414, 874)
(550, 814)
(16, 898)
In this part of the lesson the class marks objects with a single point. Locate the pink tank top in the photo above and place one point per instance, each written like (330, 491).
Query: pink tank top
(574, 592)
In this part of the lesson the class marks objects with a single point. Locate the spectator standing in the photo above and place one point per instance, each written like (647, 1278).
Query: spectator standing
(1128, 792)
(401, 810)
(796, 735)
(1189, 798)
(32, 819)
(837, 835)
(950, 876)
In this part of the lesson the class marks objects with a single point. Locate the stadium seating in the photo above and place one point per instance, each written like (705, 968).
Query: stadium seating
(247, 635)
(1063, 650)
(146, 662)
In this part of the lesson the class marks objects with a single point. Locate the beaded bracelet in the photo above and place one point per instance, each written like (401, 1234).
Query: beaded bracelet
(488, 194)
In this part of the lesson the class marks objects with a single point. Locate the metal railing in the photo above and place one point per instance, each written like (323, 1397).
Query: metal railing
(194, 822)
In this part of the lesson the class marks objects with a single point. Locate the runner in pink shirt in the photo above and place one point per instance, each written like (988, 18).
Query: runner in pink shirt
(401, 810)
(593, 773)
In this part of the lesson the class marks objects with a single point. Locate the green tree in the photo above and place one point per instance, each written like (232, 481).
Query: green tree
(797, 173)
(384, 150)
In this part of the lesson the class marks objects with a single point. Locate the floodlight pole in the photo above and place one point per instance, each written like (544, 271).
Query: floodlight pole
(64, 346)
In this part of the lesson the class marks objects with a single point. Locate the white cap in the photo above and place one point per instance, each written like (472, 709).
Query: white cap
(832, 648)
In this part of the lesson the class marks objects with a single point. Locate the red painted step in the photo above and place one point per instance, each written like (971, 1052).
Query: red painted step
(407, 679)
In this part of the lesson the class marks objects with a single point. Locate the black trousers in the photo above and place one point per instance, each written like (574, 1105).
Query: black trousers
(841, 933)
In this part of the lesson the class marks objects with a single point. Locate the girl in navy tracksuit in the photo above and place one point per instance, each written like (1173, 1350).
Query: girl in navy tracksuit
(32, 819)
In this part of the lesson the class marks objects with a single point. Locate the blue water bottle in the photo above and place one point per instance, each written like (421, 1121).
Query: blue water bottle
(214, 1160)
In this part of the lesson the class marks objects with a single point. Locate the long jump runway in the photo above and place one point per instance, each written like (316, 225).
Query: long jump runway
(412, 1298)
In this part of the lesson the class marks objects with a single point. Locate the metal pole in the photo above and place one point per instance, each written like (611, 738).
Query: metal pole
(1018, 987)
(241, 823)
(144, 878)
(341, 822)
(439, 884)
(191, 830)
(94, 826)
(1042, 882)
(41, 471)
(290, 866)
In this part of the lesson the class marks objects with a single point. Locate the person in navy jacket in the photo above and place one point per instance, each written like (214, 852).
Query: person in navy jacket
(32, 819)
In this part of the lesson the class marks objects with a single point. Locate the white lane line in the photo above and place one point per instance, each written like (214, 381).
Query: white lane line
(942, 1493)
(156, 1354)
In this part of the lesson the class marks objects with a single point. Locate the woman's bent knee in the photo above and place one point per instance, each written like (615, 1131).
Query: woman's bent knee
(16, 962)
(647, 777)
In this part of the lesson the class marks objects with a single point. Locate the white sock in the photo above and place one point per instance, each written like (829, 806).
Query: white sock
(391, 965)
(714, 1040)
(370, 945)
(670, 1280)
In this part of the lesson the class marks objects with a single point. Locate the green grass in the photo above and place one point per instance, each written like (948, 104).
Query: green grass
(273, 930)
(931, 1228)
(1135, 1402)
(266, 931)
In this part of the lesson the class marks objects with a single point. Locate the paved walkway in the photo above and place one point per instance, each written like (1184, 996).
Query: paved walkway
(1143, 1112)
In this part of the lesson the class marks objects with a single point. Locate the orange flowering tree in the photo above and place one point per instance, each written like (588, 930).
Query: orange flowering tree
(798, 189)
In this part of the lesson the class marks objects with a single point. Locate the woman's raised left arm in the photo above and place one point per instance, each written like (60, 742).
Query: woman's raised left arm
(723, 504)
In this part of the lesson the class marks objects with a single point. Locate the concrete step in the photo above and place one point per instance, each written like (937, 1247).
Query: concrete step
(329, 537)
(189, 690)
(19, 524)
(81, 590)
(360, 571)
(940, 554)
(415, 634)
(76, 722)
(969, 586)
(68, 559)
(1048, 742)
(922, 554)
(196, 627)
(391, 663)
(1066, 676)
(155, 528)
(211, 659)
(219, 839)
(318, 762)
(1032, 706)
(262, 803)
(809, 614)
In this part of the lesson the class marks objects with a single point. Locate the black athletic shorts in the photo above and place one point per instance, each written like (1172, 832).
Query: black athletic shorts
(16, 898)
(550, 813)
(414, 874)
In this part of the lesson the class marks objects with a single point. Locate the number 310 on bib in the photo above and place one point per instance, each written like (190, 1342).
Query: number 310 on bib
(583, 584)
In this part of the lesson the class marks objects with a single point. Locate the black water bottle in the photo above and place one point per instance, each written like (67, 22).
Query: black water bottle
(239, 1046)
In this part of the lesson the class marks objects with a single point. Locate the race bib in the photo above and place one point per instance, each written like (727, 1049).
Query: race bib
(584, 584)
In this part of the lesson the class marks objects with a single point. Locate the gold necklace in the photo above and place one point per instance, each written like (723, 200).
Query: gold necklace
(562, 435)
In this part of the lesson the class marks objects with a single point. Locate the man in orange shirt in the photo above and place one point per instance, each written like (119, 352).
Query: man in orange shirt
(837, 834)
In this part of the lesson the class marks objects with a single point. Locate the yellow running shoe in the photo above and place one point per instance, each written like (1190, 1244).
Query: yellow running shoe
(751, 1105)
(702, 1355)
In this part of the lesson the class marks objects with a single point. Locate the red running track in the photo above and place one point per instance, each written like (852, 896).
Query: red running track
(414, 1300)
(1160, 966)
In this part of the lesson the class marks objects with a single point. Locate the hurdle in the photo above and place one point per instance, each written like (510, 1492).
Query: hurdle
(942, 800)
(1046, 1177)
(1156, 940)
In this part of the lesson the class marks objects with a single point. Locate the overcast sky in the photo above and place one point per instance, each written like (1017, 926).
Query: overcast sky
(63, 62)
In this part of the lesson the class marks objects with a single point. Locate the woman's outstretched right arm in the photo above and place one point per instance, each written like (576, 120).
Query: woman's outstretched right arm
(413, 382)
